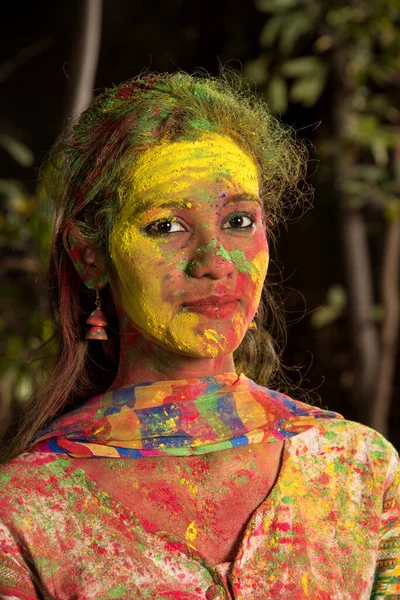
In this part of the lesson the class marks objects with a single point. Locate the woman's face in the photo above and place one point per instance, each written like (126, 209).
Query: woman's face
(190, 226)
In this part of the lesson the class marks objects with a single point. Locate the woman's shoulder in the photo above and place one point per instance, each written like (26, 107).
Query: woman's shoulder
(348, 442)
(33, 477)
(355, 434)
(30, 465)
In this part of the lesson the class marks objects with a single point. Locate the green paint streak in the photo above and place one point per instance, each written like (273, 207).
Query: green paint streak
(223, 172)
(381, 442)
(224, 253)
(338, 466)
(47, 565)
(288, 500)
(118, 591)
(236, 256)
(92, 283)
(203, 125)
(377, 454)
(4, 477)
(240, 479)
(204, 194)
(72, 242)
(222, 490)
(59, 466)
(208, 408)
(241, 262)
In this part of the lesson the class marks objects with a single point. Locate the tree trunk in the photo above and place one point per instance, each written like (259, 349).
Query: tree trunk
(390, 300)
(86, 55)
(364, 331)
(357, 261)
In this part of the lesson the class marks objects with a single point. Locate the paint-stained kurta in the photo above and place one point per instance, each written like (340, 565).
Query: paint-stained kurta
(329, 529)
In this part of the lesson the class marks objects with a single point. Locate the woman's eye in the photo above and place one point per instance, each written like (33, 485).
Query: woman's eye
(239, 222)
(166, 226)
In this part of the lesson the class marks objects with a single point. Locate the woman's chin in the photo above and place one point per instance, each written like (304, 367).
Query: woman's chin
(207, 347)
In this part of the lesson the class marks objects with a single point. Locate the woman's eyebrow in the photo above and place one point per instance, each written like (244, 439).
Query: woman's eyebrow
(187, 203)
(243, 198)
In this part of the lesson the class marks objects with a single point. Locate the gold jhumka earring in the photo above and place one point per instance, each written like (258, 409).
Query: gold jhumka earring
(97, 321)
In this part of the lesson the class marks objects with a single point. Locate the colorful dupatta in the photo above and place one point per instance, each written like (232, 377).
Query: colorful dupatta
(184, 417)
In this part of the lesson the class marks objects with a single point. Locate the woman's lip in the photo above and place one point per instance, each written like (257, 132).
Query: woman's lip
(216, 311)
(213, 300)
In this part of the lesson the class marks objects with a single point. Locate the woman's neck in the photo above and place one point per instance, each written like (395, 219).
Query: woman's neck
(143, 360)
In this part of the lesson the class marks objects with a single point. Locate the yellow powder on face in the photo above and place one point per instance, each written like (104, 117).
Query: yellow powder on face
(193, 159)
(260, 267)
(239, 322)
(201, 170)
(211, 334)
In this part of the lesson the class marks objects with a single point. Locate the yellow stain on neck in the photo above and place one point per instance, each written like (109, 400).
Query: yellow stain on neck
(191, 532)
(193, 489)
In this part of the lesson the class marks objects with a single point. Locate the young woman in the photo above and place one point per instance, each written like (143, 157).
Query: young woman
(151, 465)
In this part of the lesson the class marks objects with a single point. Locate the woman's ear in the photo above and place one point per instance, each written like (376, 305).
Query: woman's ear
(87, 260)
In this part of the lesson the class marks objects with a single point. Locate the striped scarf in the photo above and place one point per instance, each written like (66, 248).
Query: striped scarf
(185, 417)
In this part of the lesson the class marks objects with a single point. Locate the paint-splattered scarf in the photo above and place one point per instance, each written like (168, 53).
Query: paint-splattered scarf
(185, 417)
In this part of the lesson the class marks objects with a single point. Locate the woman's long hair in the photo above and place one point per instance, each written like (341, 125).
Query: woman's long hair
(89, 166)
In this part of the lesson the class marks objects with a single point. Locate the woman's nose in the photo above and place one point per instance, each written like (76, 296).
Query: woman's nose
(211, 260)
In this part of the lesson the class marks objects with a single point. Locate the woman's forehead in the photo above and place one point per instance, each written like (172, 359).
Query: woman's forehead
(205, 170)
(211, 156)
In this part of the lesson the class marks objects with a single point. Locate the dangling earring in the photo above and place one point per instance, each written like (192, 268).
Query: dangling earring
(98, 322)
(253, 324)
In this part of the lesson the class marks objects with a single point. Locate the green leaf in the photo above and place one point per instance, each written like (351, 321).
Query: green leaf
(392, 210)
(23, 387)
(276, 93)
(339, 16)
(332, 310)
(307, 90)
(380, 151)
(337, 297)
(368, 125)
(271, 6)
(13, 192)
(301, 66)
(19, 151)
(257, 70)
(270, 30)
(295, 25)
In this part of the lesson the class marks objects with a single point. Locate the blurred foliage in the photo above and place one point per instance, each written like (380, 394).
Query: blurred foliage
(309, 48)
(342, 60)
(25, 229)
(299, 44)
(333, 309)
